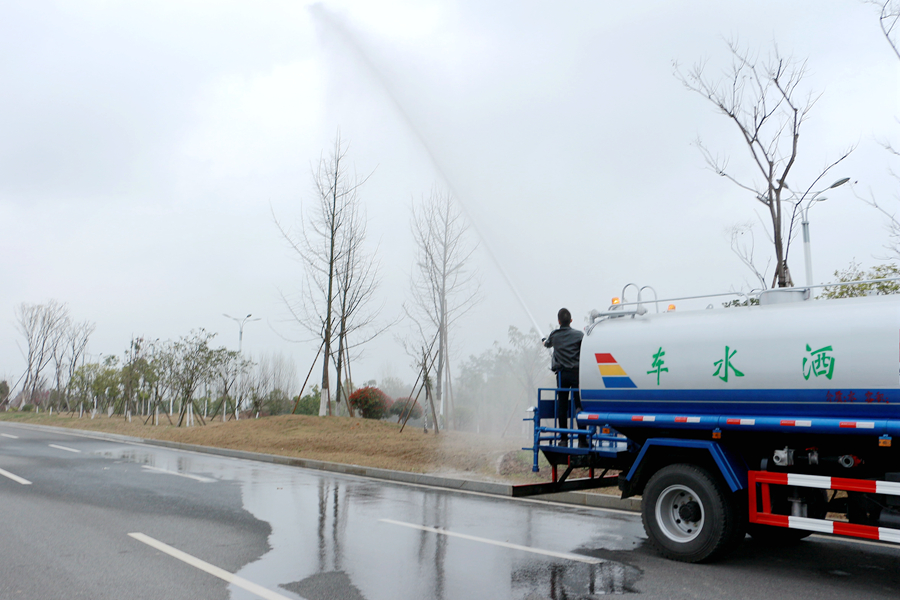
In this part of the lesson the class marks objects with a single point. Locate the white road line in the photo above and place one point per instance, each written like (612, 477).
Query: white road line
(536, 501)
(188, 475)
(64, 448)
(565, 555)
(14, 437)
(211, 569)
(15, 478)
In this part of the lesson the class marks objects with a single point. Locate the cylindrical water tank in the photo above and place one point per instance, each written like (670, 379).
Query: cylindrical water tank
(819, 358)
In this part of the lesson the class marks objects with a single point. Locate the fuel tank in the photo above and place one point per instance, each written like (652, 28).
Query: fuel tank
(816, 358)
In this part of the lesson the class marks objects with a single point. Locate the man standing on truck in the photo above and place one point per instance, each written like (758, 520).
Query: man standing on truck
(566, 344)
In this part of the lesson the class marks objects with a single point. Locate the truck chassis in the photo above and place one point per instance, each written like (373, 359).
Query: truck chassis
(700, 494)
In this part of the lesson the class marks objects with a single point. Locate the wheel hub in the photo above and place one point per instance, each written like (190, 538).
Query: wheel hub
(690, 511)
(679, 513)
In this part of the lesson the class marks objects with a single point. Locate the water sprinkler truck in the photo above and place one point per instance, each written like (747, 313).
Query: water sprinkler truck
(775, 419)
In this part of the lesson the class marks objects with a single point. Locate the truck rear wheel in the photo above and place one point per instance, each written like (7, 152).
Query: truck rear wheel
(688, 514)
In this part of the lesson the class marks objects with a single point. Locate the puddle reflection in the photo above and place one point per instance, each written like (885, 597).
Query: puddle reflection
(574, 581)
(327, 540)
(432, 549)
(329, 496)
(325, 586)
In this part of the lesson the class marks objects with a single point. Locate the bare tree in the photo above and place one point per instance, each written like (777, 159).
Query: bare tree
(889, 18)
(228, 367)
(743, 244)
(357, 284)
(892, 225)
(764, 100)
(43, 326)
(259, 383)
(193, 361)
(66, 355)
(284, 373)
(328, 244)
(76, 345)
(163, 363)
(424, 356)
(443, 287)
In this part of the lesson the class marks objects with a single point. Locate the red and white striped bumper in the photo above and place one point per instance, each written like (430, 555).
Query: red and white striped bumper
(764, 515)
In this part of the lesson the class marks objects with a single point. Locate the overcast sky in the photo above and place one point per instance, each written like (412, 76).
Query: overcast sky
(145, 145)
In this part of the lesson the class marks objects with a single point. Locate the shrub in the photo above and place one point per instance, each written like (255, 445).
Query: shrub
(27, 407)
(309, 404)
(401, 405)
(277, 402)
(370, 402)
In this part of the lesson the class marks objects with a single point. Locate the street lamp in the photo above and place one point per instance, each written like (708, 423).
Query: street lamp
(807, 255)
(241, 323)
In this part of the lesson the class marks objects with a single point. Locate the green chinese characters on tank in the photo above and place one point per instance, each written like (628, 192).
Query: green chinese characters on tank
(724, 366)
(818, 362)
(657, 367)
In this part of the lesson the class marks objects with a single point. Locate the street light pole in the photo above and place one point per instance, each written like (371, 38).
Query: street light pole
(807, 254)
(241, 323)
(804, 211)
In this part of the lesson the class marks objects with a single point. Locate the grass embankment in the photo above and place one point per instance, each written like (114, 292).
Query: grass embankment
(335, 439)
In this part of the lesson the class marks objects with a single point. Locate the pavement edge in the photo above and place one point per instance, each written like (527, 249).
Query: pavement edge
(451, 483)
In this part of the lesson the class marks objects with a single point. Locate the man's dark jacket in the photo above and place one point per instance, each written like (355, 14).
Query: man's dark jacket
(566, 344)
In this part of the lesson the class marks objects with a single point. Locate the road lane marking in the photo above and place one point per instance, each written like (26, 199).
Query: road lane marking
(14, 437)
(64, 448)
(635, 513)
(188, 475)
(15, 478)
(211, 569)
(565, 555)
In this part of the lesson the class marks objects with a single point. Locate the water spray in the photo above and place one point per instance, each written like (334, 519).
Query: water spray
(329, 19)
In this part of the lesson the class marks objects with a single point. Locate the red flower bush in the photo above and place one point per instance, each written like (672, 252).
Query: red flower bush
(370, 402)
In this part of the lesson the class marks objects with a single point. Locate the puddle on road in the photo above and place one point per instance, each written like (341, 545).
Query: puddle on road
(317, 523)
(167, 461)
(325, 586)
(575, 581)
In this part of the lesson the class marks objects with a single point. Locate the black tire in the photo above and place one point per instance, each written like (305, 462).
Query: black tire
(689, 514)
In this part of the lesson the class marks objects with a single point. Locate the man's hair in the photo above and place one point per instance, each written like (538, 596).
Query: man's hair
(564, 316)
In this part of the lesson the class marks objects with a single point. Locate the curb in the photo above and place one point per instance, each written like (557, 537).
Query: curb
(437, 481)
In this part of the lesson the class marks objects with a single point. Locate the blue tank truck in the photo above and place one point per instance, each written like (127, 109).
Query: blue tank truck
(775, 420)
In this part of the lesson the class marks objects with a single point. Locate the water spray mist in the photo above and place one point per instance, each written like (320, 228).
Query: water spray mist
(330, 20)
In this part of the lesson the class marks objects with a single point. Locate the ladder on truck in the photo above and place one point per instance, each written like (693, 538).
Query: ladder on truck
(602, 451)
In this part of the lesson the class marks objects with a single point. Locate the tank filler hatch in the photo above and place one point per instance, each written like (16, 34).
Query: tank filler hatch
(783, 296)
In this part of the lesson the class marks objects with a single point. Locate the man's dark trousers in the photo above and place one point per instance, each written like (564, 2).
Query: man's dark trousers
(566, 379)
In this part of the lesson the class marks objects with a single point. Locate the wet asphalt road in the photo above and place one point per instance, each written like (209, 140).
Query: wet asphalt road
(319, 536)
